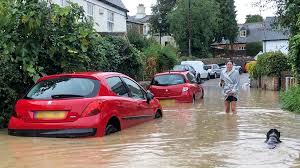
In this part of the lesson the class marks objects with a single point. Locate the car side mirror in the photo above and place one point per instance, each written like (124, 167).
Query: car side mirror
(149, 96)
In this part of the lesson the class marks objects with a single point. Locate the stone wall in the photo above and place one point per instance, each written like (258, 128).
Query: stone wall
(270, 83)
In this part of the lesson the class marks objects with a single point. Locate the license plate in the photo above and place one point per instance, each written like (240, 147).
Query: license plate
(167, 102)
(50, 115)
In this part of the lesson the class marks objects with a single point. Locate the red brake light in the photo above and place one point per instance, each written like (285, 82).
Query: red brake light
(92, 109)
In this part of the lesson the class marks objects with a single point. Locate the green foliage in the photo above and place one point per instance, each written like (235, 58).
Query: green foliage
(254, 19)
(252, 70)
(228, 27)
(290, 99)
(272, 64)
(138, 40)
(204, 19)
(294, 54)
(161, 10)
(163, 58)
(252, 49)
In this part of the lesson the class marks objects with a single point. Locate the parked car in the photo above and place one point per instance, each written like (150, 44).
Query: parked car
(185, 68)
(201, 73)
(82, 104)
(214, 70)
(236, 67)
(179, 86)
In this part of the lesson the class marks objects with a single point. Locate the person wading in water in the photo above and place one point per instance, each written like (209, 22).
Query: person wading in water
(230, 82)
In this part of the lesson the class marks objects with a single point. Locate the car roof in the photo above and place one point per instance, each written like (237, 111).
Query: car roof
(92, 75)
(173, 73)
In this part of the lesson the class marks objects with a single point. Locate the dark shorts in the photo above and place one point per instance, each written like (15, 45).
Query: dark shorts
(231, 99)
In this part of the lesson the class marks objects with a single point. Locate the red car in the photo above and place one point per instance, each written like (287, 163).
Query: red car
(181, 86)
(82, 104)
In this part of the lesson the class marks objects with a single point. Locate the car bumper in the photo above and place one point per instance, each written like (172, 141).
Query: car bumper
(65, 133)
(87, 126)
(182, 99)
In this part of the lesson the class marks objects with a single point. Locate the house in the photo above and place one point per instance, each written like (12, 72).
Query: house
(272, 38)
(142, 19)
(109, 15)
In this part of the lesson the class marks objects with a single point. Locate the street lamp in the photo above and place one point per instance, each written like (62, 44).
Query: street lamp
(160, 21)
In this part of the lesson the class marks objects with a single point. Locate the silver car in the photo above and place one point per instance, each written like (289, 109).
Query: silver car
(214, 70)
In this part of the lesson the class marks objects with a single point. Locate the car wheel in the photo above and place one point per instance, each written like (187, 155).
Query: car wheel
(208, 76)
(198, 78)
(110, 129)
(158, 115)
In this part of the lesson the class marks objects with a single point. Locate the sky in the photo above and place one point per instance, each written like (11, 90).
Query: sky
(243, 8)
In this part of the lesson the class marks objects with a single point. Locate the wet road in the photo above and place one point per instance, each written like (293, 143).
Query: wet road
(189, 136)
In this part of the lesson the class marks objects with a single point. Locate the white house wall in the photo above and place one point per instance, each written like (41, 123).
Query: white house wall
(280, 45)
(101, 23)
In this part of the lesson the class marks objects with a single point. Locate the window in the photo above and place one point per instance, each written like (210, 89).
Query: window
(117, 86)
(110, 21)
(191, 78)
(145, 29)
(64, 87)
(90, 10)
(136, 91)
(168, 80)
(243, 33)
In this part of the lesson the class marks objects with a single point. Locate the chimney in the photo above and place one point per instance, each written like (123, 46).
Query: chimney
(141, 11)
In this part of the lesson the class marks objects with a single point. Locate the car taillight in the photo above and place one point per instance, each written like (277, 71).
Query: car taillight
(185, 89)
(92, 109)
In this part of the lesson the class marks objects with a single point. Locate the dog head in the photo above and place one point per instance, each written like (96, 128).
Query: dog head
(273, 136)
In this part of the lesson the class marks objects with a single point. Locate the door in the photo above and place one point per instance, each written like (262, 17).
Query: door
(121, 102)
(143, 110)
(195, 88)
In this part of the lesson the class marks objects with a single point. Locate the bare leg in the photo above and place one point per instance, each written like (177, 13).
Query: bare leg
(233, 107)
(227, 106)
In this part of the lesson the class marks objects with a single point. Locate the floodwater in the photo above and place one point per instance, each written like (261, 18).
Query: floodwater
(189, 136)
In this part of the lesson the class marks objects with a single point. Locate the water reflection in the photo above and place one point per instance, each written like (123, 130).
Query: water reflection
(191, 136)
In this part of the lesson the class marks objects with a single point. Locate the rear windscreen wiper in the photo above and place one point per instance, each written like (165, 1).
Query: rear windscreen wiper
(58, 96)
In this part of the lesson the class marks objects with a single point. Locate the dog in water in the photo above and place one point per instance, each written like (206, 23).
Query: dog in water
(273, 138)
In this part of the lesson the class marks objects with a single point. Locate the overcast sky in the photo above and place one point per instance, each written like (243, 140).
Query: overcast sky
(243, 7)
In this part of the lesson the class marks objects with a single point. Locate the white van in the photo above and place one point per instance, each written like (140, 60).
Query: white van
(201, 73)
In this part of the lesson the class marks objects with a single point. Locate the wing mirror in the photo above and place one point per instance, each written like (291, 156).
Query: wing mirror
(149, 96)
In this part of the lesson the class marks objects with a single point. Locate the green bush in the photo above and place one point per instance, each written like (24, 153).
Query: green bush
(294, 54)
(252, 70)
(252, 49)
(290, 100)
(272, 64)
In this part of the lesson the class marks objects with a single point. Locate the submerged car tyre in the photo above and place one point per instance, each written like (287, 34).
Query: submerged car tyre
(110, 129)
(158, 115)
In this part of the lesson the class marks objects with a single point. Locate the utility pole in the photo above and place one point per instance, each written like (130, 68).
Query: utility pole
(190, 29)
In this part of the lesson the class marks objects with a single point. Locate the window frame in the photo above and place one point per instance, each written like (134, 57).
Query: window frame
(110, 21)
(123, 83)
(129, 90)
(90, 6)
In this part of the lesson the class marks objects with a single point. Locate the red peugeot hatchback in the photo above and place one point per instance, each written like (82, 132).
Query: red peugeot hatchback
(178, 85)
(82, 104)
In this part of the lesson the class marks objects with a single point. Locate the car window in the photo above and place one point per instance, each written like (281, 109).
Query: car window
(191, 78)
(167, 80)
(136, 91)
(64, 87)
(117, 86)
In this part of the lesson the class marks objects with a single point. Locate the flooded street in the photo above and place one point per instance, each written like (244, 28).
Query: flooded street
(189, 136)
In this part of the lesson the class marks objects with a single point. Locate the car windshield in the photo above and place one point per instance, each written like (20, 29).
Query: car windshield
(64, 87)
(167, 80)
(179, 68)
(209, 66)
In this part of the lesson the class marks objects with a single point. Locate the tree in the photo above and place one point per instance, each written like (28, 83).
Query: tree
(254, 18)
(228, 28)
(161, 10)
(252, 49)
(204, 19)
